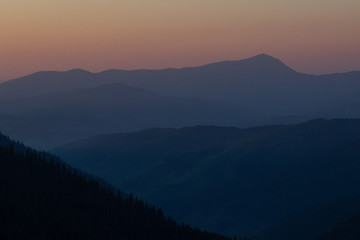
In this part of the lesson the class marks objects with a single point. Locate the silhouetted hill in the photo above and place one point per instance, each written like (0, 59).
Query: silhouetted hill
(271, 66)
(262, 83)
(227, 179)
(47, 82)
(262, 67)
(49, 120)
(42, 198)
(252, 92)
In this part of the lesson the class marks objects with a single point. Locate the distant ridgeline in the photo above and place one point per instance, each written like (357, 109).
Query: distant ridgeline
(43, 198)
(49, 109)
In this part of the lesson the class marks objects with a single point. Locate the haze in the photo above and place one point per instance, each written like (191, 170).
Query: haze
(317, 37)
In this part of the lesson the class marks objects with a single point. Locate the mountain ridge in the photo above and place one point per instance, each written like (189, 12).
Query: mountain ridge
(280, 168)
(45, 121)
(235, 93)
(263, 57)
(44, 198)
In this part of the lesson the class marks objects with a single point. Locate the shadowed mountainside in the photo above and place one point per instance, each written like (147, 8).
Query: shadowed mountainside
(227, 179)
(42, 198)
(49, 120)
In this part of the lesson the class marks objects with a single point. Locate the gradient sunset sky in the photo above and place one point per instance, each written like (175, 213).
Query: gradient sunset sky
(311, 36)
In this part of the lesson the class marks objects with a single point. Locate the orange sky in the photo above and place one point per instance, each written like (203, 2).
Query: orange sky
(312, 36)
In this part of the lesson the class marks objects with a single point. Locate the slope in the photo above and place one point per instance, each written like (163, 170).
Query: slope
(261, 83)
(200, 174)
(45, 199)
(49, 120)
(47, 82)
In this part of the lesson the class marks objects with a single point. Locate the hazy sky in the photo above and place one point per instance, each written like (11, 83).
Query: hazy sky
(312, 36)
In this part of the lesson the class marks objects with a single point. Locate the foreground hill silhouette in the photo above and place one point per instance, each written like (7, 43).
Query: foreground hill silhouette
(42, 198)
(4, 140)
(251, 92)
(227, 179)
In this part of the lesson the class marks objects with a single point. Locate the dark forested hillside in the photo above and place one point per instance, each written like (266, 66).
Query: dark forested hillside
(229, 179)
(42, 198)
(4, 140)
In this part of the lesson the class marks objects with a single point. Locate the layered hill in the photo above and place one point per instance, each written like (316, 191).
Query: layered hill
(253, 92)
(227, 179)
(53, 119)
(262, 83)
(42, 198)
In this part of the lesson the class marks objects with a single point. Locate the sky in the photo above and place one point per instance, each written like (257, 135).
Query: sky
(311, 36)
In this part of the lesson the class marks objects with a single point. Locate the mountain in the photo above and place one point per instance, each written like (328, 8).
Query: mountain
(229, 180)
(47, 82)
(262, 83)
(46, 121)
(43, 109)
(173, 82)
(42, 198)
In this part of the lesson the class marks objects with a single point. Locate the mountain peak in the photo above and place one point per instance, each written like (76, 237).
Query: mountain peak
(78, 70)
(264, 56)
(259, 64)
(265, 61)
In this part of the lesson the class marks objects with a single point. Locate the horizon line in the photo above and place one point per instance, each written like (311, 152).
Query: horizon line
(177, 68)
